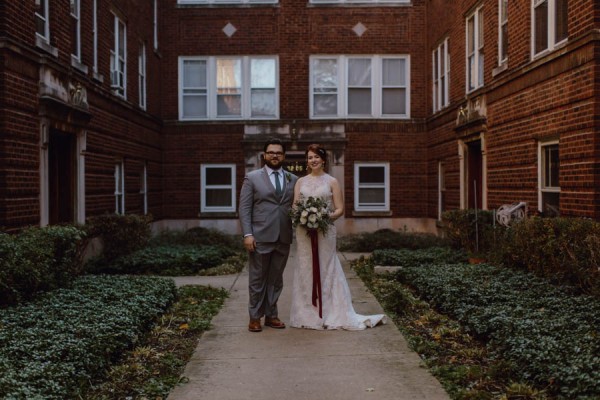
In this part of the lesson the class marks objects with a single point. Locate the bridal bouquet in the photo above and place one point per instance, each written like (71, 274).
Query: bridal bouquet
(312, 213)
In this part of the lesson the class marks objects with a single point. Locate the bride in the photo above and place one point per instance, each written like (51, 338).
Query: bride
(336, 303)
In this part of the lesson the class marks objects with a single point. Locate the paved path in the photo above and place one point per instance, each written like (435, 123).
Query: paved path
(231, 363)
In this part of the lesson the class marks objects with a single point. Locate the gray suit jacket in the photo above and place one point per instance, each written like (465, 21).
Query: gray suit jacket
(262, 213)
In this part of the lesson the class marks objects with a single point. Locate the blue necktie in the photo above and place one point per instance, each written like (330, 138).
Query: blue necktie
(278, 190)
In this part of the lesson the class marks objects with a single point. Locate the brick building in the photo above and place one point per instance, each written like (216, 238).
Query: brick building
(162, 106)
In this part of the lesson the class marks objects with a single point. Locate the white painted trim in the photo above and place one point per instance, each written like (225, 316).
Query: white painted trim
(203, 207)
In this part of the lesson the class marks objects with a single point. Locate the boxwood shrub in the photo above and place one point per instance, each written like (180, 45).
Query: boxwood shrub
(51, 347)
(39, 259)
(548, 335)
(170, 260)
(389, 239)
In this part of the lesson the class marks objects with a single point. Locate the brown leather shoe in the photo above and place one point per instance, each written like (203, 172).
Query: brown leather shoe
(274, 323)
(254, 325)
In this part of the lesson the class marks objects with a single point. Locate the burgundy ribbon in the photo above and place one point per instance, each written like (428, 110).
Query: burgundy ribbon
(316, 288)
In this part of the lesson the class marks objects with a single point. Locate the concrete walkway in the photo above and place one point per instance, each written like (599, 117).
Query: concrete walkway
(231, 363)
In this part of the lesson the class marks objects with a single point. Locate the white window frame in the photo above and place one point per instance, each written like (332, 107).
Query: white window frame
(144, 188)
(502, 31)
(474, 82)
(377, 86)
(142, 76)
(232, 187)
(441, 75)
(120, 188)
(552, 42)
(211, 90)
(118, 67)
(358, 186)
(75, 8)
(45, 20)
(204, 2)
(155, 24)
(542, 163)
(441, 188)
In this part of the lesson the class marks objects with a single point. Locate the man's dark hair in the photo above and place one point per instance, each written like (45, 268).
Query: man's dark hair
(274, 141)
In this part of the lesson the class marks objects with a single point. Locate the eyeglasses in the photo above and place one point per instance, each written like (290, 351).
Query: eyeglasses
(274, 153)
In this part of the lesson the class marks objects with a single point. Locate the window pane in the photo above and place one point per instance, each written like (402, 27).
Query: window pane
(194, 73)
(218, 176)
(263, 102)
(471, 35)
(394, 101)
(359, 101)
(551, 169)
(218, 198)
(394, 72)
(325, 73)
(229, 74)
(562, 30)
(359, 72)
(262, 73)
(194, 106)
(551, 204)
(229, 105)
(325, 104)
(541, 27)
(371, 196)
(504, 44)
(371, 175)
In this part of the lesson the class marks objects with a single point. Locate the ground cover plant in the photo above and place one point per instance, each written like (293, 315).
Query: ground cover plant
(488, 332)
(389, 239)
(197, 251)
(156, 364)
(51, 347)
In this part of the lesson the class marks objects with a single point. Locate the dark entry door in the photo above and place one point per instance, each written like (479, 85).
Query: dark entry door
(474, 174)
(61, 177)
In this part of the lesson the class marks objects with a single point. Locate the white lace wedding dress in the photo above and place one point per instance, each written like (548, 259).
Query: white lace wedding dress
(337, 309)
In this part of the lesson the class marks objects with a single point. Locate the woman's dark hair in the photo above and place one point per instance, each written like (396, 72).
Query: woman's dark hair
(317, 149)
(274, 141)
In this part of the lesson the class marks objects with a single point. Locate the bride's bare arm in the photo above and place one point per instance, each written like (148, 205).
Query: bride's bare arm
(338, 200)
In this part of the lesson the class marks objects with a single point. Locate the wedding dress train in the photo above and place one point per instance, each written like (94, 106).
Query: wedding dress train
(337, 309)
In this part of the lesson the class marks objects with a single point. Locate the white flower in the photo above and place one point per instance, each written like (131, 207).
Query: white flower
(312, 218)
(304, 213)
(303, 220)
(311, 225)
(313, 209)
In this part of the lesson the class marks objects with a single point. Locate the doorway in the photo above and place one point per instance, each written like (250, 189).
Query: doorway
(61, 177)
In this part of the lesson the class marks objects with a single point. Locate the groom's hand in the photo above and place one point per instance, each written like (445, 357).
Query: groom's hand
(250, 243)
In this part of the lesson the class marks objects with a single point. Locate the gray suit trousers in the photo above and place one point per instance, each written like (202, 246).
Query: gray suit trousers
(266, 267)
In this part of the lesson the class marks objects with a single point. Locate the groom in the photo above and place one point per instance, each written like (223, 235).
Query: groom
(265, 201)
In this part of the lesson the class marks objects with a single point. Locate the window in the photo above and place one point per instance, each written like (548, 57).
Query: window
(475, 50)
(155, 24)
(142, 76)
(227, 1)
(218, 188)
(441, 189)
(95, 34)
(118, 58)
(549, 24)
(549, 196)
(502, 31)
(228, 88)
(120, 188)
(76, 29)
(371, 182)
(41, 19)
(441, 72)
(360, 87)
(359, 1)
(144, 188)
